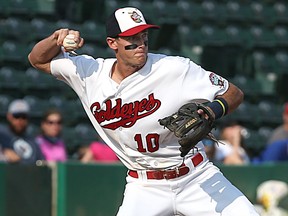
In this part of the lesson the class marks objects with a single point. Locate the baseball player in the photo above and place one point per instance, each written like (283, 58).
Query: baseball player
(124, 97)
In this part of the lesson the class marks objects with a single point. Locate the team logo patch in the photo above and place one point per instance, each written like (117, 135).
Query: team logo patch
(216, 80)
(136, 17)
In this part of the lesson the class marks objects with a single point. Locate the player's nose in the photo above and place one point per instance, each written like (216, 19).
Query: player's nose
(143, 43)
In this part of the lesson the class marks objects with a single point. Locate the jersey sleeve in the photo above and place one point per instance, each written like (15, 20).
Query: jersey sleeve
(189, 80)
(74, 70)
(202, 83)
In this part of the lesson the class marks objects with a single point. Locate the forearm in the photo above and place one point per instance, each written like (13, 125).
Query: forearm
(43, 52)
(226, 103)
(233, 96)
(233, 159)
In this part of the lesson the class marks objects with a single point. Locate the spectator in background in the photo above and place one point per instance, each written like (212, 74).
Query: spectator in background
(50, 142)
(98, 151)
(230, 149)
(8, 155)
(274, 152)
(17, 145)
(281, 132)
(234, 148)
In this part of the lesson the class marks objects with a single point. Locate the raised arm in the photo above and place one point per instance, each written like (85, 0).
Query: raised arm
(45, 50)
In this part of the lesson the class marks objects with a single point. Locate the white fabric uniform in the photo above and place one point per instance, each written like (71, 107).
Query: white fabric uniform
(126, 116)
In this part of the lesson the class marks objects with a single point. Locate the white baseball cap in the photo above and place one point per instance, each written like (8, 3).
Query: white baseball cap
(126, 21)
(18, 106)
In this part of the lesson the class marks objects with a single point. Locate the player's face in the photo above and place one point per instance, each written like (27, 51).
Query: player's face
(133, 50)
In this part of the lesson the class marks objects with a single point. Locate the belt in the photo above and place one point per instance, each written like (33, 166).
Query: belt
(169, 173)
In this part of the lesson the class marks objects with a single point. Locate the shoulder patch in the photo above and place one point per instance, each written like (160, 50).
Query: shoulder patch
(216, 80)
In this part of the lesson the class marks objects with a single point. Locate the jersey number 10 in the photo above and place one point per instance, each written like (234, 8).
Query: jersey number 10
(152, 142)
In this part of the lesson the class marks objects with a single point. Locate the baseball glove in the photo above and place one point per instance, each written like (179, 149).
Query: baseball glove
(190, 126)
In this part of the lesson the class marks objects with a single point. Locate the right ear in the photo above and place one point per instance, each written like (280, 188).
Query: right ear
(112, 43)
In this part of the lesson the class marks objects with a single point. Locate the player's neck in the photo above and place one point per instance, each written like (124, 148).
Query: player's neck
(121, 71)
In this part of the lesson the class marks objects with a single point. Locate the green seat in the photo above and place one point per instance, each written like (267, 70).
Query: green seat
(190, 35)
(111, 5)
(86, 133)
(254, 142)
(4, 8)
(14, 52)
(211, 10)
(244, 114)
(44, 8)
(166, 11)
(279, 13)
(263, 61)
(259, 36)
(265, 108)
(39, 81)
(4, 103)
(211, 35)
(23, 8)
(258, 11)
(65, 23)
(12, 80)
(37, 106)
(280, 35)
(281, 59)
(234, 34)
(93, 32)
(71, 139)
(265, 132)
(234, 10)
(14, 28)
(41, 28)
(161, 39)
(190, 11)
(250, 86)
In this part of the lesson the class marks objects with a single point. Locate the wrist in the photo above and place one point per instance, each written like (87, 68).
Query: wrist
(219, 106)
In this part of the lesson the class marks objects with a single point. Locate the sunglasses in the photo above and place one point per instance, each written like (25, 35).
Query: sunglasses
(20, 115)
(54, 122)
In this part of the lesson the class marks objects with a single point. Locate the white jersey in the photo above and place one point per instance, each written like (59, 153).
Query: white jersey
(126, 115)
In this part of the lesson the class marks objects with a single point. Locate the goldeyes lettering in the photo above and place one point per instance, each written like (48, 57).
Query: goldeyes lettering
(127, 113)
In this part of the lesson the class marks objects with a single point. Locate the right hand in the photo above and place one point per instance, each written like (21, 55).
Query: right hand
(11, 156)
(60, 35)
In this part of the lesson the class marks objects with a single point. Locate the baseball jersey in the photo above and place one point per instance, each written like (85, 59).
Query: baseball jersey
(126, 115)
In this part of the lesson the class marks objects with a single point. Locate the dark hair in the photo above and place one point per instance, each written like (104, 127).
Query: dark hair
(50, 112)
(229, 123)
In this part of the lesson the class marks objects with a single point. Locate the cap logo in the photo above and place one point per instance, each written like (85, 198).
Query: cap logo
(136, 17)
